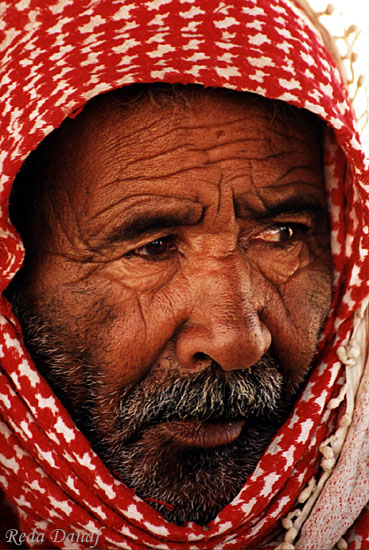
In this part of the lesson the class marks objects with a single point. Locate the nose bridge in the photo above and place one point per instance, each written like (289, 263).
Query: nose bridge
(225, 288)
(226, 302)
(224, 324)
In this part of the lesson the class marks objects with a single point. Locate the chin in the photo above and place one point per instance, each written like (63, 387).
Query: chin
(186, 483)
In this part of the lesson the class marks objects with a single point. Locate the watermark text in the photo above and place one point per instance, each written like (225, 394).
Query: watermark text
(13, 536)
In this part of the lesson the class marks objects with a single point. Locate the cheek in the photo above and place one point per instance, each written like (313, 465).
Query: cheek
(141, 275)
(127, 340)
(278, 265)
(295, 316)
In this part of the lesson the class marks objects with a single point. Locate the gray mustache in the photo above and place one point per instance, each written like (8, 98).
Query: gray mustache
(209, 396)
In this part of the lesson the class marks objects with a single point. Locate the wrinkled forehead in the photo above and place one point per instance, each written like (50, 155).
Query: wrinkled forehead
(137, 123)
(146, 143)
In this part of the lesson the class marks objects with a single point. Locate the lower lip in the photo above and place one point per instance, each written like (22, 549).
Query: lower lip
(206, 435)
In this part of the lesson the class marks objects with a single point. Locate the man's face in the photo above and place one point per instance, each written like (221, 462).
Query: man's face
(179, 285)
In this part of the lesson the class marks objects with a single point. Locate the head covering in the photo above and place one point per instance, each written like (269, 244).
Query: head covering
(314, 476)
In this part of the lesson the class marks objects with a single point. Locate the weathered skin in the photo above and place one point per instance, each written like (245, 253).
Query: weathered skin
(226, 271)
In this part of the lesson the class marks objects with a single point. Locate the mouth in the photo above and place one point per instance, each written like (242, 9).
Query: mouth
(191, 433)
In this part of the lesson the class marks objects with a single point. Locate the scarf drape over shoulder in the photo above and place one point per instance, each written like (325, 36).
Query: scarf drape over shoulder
(311, 486)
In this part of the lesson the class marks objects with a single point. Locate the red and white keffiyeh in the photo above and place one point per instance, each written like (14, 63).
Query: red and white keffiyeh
(56, 55)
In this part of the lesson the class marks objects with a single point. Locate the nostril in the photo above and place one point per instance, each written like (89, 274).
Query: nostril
(199, 356)
(201, 361)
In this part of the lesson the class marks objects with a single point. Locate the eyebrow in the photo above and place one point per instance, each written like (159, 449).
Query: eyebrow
(291, 206)
(144, 224)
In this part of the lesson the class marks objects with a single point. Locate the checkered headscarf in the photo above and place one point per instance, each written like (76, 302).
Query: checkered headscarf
(314, 476)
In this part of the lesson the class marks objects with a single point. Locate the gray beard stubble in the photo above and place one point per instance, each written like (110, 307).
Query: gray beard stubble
(183, 484)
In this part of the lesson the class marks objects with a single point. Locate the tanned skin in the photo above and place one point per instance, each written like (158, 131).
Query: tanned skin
(177, 278)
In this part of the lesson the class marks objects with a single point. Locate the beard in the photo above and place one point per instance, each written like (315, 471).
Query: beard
(194, 483)
(184, 483)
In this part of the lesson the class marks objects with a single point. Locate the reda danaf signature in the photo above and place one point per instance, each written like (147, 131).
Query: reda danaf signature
(55, 536)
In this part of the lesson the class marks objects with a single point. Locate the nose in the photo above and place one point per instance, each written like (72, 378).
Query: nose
(224, 325)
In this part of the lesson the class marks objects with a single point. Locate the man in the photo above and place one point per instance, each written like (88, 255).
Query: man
(177, 277)
(176, 283)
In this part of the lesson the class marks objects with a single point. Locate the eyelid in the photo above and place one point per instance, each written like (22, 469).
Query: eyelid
(134, 252)
(302, 220)
(305, 218)
(298, 228)
(147, 239)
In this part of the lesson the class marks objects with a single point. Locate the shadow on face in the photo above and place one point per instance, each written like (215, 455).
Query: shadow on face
(177, 277)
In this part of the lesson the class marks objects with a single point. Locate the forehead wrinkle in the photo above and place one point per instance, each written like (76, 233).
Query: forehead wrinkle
(184, 146)
(208, 158)
(185, 139)
(138, 205)
(295, 138)
(221, 213)
(140, 162)
(243, 154)
(213, 126)
(305, 167)
(158, 162)
(297, 183)
(132, 131)
(282, 176)
(296, 168)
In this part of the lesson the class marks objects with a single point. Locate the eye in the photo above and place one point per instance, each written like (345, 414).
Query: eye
(159, 249)
(283, 233)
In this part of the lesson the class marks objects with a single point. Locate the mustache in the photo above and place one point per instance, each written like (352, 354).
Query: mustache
(210, 396)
